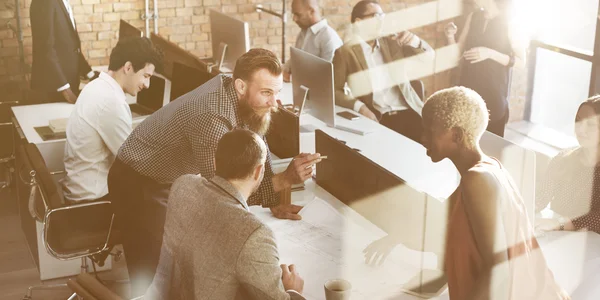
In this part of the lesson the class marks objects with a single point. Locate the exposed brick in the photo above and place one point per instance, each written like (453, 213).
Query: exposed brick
(199, 19)
(83, 10)
(6, 34)
(88, 36)
(193, 3)
(103, 8)
(184, 12)
(90, 1)
(167, 12)
(110, 17)
(101, 27)
(130, 15)
(97, 53)
(8, 52)
(230, 8)
(175, 38)
(107, 35)
(104, 44)
(84, 27)
(118, 7)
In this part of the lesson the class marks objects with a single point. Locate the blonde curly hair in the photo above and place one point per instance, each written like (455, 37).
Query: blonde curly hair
(457, 107)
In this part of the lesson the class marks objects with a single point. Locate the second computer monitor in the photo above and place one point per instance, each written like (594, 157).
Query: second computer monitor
(312, 77)
(229, 35)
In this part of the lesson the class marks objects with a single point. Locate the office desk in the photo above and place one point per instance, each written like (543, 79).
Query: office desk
(408, 160)
(25, 118)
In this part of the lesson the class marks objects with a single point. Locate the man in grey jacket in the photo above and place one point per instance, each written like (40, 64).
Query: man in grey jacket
(213, 246)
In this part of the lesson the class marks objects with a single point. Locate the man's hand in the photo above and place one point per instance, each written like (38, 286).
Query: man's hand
(365, 111)
(287, 76)
(407, 38)
(301, 168)
(378, 251)
(286, 211)
(291, 279)
(450, 30)
(69, 95)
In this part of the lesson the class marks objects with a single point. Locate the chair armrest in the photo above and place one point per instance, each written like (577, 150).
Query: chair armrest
(79, 290)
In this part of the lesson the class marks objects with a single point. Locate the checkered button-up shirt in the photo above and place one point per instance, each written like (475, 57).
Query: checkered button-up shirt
(181, 138)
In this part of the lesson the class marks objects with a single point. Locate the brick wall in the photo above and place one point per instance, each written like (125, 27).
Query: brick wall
(185, 22)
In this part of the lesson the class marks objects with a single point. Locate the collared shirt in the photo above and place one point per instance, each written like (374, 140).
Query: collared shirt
(98, 126)
(319, 40)
(181, 138)
(386, 94)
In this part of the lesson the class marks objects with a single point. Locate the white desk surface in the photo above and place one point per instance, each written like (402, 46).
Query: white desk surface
(31, 116)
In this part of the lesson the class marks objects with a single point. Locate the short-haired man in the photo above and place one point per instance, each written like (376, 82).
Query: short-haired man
(181, 138)
(316, 36)
(366, 64)
(214, 247)
(101, 119)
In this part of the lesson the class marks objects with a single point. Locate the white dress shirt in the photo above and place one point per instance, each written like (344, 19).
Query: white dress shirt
(98, 126)
(70, 11)
(387, 96)
(319, 40)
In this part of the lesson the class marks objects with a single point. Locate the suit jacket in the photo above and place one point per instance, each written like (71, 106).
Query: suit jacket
(214, 248)
(57, 57)
(350, 67)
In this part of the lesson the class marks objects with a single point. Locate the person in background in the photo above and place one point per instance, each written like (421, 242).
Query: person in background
(213, 246)
(367, 79)
(57, 58)
(491, 252)
(101, 120)
(572, 181)
(490, 48)
(316, 36)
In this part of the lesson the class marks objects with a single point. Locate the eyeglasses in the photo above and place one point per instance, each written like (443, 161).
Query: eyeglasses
(378, 15)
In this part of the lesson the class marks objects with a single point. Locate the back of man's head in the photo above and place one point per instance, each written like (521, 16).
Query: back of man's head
(139, 51)
(238, 154)
(254, 60)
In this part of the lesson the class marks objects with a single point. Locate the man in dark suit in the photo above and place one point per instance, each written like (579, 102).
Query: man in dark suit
(57, 58)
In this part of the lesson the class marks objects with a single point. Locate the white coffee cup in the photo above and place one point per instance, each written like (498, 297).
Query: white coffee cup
(337, 289)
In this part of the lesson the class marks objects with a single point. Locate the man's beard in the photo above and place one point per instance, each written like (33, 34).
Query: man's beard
(257, 121)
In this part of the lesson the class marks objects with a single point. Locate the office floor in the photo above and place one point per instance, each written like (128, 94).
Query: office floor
(17, 268)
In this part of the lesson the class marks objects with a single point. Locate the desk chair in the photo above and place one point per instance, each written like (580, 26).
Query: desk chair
(7, 155)
(78, 231)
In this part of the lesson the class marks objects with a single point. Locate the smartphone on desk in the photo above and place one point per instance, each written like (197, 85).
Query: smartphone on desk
(348, 115)
(427, 284)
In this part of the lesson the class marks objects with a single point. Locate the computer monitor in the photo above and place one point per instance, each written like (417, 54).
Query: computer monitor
(230, 40)
(312, 84)
(127, 30)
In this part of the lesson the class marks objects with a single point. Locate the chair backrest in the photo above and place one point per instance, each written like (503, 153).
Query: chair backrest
(51, 195)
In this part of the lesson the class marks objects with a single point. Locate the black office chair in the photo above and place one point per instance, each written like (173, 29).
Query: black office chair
(77, 231)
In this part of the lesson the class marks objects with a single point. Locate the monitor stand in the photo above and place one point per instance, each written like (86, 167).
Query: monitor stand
(302, 110)
(220, 58)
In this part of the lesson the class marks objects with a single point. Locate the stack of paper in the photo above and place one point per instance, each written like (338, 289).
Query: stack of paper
(58, 125)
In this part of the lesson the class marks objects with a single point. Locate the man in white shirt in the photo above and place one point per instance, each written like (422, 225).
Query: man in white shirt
(101, 118)
(316, 36)
(368, 77)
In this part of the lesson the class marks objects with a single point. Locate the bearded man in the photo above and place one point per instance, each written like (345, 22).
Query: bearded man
(181, 138)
